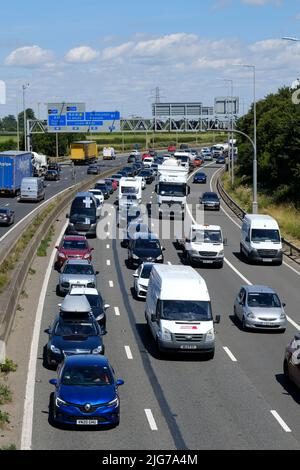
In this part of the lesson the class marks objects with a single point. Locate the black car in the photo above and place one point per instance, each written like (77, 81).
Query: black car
(199, 177)
(144, 247)
(52, 175)
(54, 166)
(7, 216)
(68, 335)
(210, 200)
(147, 174)
(93, 169)
(129, 171)
(184, 146)
(104, 188)
(131, 159)
(132, 229)
(109, 185)
(137, 166)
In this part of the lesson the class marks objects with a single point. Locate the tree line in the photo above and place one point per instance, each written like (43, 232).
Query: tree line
(278, 147)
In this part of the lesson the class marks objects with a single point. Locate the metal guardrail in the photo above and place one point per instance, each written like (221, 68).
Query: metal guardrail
(288, 248)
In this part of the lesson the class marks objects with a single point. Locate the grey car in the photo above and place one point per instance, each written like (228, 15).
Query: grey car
(259, 307)
(76, 273)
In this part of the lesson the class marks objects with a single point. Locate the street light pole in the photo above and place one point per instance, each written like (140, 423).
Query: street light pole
(254, 201)
(230, 148)
(24, 114)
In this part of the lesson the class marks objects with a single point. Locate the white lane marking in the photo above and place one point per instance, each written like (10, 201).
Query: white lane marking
(107, 246)
(117, 311)
(232, 357)
(128, 352)
(111, 284)
(108, 262)
(27, 422)
(151, 419)
(293, 269)
(293, 323)
(280, 421)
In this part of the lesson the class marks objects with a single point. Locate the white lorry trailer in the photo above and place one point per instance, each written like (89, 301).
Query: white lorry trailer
(171, 188)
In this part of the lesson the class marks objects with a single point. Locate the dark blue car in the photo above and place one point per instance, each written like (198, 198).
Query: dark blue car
(220, 159)
(86, 392)
(199, 177)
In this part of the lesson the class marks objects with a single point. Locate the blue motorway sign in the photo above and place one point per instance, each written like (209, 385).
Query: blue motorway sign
(103, 116)
(57, 120)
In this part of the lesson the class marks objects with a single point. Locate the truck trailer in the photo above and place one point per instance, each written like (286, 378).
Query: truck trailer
(83, 152)
(14, 166)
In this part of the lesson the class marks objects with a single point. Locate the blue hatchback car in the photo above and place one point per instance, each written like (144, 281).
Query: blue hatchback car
(199, 177)
(86, 392)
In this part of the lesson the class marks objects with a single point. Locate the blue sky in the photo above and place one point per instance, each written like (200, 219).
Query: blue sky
(113, 54)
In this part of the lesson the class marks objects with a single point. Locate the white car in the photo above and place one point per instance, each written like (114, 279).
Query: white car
(98, 195)
(141, 279)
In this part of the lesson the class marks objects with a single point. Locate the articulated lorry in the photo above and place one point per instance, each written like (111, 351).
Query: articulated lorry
(14, 166)
(171, 188)
(84, 152)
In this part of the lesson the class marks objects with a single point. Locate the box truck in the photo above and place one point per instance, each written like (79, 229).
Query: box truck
(14, 166)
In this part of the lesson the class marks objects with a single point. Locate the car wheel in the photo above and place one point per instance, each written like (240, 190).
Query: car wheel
(58, 292)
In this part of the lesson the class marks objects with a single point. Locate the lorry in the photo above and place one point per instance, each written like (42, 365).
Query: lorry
(39, 163)
(14, 166)
(130, 186)
(171, 188)
(109, 153)
(184, 157)
(203, 245)
(83, 152)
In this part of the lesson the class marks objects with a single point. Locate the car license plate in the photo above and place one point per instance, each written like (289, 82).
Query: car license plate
(267, 260)
(267, 323)
(188, 346)
(87, 421)
(207, 261)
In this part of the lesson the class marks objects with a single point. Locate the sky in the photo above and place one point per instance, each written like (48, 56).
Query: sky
(111, 55)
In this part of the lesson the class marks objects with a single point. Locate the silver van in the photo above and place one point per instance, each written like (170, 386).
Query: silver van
(32, 189)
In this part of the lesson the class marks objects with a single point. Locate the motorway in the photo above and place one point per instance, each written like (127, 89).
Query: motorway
(238, 400)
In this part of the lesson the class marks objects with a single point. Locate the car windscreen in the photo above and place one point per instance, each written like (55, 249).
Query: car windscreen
(78, 269)
(265, 235)
(145, 173)
(171, 189)
(94, 300)
(3, 211)
(74, 245)
(210, 196)
(206, 236)
(69, 329)
(147, 244)
(263, 299)
(129, 190)
(145, 274)
(83, 207)
(87, 375)
(189, 310)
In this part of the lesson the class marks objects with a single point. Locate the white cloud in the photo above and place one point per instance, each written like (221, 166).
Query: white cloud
(267, 45)
(117, 51)
(82, 54)
(262, 2)
(28, 56)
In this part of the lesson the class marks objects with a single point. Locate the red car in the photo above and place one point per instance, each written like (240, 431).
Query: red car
(171, 148)
(197, 161)
(114, 183)
(73, 247)
(146, 155)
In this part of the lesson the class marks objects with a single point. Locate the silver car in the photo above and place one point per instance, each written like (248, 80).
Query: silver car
(141, 281)
(76, 273)
(259, 307)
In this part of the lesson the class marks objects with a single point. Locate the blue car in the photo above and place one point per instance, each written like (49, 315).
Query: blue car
(220, 159)
(86, 392)
(199, 177)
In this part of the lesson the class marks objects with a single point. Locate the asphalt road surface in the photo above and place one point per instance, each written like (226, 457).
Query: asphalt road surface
(238, 400)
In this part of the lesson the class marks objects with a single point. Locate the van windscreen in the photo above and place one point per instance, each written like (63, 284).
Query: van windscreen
(265, 235)
(186, 310)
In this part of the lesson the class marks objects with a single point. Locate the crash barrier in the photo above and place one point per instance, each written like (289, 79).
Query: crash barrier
(10, 297)
(288, 248)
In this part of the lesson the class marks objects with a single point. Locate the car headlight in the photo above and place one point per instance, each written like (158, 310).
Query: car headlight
(160, 257)
(59, 402)
(221, 253)
(62, 255)
(250, 315)
(114, 402)
(135, 257)
(97, 350)
(54, 349)
(210, 335)
(194, 252)
(282, 316)
(99, 317)
(166, 335)
(87, 256)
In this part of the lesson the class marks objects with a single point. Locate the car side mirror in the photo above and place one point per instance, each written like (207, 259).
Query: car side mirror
(67, 216)
(283, 304)
(97, 272)
(92, 249)
(57, 247)
(225, 242)
(163, 248)
(153, 317)
(241, 302)
(156, 187)
(59, 305)
(188, 190)
(135, 275)
(106, 306)
(247, 239)
(53, 382)
(47, 331)
(217, 319)
(120, 382)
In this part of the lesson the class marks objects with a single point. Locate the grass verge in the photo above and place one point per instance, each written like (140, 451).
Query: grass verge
(287, 215)
(5, 394)
(45, 243)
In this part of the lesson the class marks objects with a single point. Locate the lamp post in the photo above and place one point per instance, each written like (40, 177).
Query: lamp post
(254, 201)
(230, 147)
(26, 85)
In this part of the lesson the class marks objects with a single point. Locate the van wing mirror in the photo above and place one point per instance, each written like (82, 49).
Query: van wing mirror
(153, 317)
(247, 239)
(156, 188)
(225, 242)
(67, 216)
(188, 190)
(217, 319)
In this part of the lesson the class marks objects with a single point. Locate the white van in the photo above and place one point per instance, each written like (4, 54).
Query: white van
(260, 239)
(178, 310)
(32, 189)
